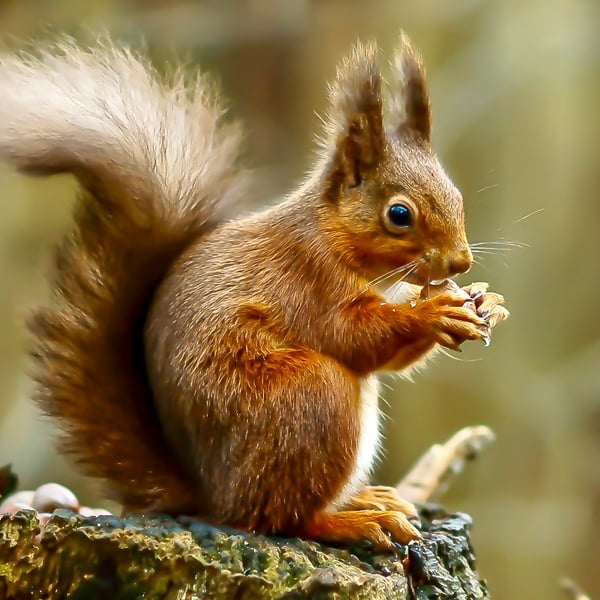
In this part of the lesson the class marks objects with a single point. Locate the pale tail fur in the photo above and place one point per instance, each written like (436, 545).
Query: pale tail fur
(69, 108)
(157, 169)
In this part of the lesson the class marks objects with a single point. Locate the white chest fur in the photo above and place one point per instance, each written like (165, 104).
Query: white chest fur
(368, 445)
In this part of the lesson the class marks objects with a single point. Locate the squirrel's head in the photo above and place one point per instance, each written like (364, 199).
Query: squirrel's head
(394, 203)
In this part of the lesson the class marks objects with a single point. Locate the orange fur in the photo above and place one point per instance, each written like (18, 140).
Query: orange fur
(220, 367)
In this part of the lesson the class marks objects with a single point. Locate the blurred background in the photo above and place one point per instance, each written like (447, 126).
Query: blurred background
(515, 86)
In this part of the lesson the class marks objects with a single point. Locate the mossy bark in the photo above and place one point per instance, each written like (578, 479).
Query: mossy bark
(161, 557)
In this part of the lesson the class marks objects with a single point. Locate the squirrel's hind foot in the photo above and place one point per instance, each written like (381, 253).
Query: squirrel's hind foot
(381, 497)
(350, 527)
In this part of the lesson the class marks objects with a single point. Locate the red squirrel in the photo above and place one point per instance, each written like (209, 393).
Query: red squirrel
(226, 367)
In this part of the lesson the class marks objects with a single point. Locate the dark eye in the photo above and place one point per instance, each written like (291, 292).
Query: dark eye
(399, 216)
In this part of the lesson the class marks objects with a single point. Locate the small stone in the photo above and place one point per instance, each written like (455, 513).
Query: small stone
(22, 498)
(15, 507)
(44, 517)
(50, 496)
(87, 511)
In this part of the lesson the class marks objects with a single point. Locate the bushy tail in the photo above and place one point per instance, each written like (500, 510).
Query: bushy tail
(156, 168)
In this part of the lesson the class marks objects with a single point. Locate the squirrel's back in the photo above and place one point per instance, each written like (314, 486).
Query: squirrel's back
(157, 170)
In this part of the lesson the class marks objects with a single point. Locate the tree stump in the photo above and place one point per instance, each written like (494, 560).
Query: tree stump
(157, 556)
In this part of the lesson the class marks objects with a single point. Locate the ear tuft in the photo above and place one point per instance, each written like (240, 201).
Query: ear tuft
(355, 125)
(410, 110)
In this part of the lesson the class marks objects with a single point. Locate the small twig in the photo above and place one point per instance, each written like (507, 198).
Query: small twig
(433, 472)
(573, 590)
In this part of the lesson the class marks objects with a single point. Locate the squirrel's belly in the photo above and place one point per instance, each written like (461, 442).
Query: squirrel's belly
(368, 444)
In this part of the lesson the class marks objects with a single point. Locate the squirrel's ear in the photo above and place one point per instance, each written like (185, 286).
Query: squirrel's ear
(410, 111)
(355, 126)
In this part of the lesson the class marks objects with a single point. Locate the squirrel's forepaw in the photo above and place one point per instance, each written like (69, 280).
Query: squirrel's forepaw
(448, 317)
(462, 314)
(488, 305)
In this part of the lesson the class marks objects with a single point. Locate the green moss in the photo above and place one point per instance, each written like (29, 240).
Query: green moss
(162, 557)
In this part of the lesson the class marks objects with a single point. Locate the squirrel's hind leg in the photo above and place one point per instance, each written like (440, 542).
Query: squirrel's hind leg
(320, 407)
(287, 453)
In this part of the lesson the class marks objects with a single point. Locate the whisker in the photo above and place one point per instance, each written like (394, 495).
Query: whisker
(499, 244)
(489, 251)
(485, 249)
(499, 247)
(397, 271)
(488, 187)
(396, 285)
(513, 243)
(535, 212)
(428, 282)
(492, 249)
(403, 271)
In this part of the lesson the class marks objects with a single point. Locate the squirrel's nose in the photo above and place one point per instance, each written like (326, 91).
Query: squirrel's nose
(460, 261)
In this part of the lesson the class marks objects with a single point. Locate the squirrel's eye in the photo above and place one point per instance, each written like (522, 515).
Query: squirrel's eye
(399, 216)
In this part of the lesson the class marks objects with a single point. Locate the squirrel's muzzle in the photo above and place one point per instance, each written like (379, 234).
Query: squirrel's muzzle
(459, 261)
(445, 263)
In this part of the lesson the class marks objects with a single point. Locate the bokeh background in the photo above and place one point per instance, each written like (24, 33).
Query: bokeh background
(515, 86)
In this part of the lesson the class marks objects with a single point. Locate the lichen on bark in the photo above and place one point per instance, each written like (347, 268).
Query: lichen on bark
(174, 558)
